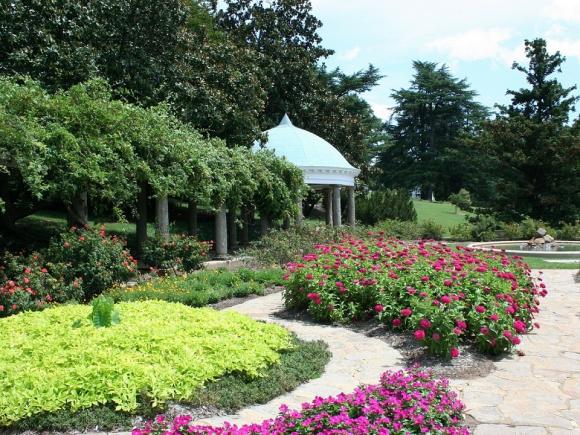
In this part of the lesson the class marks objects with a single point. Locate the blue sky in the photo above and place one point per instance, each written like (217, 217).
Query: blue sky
(478, 39)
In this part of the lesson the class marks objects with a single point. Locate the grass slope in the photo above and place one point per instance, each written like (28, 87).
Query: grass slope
(442, 213)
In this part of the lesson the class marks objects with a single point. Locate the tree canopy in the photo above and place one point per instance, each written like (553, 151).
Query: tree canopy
(429, 122)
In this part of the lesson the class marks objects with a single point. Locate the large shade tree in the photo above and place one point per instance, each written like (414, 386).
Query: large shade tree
(534, 149)
(428, 128)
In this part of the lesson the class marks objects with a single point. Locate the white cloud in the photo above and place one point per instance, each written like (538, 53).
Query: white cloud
(349, 55)
(568, 47)
(474, 44)
(563, 10)
(382, 110)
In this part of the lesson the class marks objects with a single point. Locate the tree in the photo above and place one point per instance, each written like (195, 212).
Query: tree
(430, 120)
(535, 151)
(148, 52)
(284, 33)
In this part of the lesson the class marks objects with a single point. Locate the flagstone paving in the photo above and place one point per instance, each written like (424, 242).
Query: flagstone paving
(537, 393)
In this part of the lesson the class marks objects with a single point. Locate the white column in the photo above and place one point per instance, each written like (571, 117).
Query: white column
(336, 207)
(299, 217)
(221, 232)
(162, 217)
(328, 206)
(351, 207)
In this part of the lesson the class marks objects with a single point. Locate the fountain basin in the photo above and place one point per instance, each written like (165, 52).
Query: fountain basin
(566, 249)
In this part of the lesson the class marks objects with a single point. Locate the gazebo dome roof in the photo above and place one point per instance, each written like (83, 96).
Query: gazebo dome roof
(321, 163)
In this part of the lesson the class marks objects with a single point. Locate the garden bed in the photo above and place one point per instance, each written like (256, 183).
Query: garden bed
(446, 297)
(83, 378)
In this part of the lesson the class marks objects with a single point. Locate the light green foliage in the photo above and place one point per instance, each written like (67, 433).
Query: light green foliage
(160, 351)
(441, 212)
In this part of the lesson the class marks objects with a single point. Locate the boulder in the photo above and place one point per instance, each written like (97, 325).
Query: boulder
(541, 232)
(548, 238)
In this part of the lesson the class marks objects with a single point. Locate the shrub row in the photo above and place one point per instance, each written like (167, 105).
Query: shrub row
(444, 296)
(403, 402)
(82, 263)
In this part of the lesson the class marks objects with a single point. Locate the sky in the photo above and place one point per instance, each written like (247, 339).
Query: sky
(478, 39)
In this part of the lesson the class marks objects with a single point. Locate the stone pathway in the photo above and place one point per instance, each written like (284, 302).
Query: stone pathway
(538, 393)
(356, 359)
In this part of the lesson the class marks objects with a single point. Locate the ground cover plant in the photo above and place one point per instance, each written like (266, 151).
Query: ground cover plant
(403, 402)
(203, 287)
(445, 296)
(305, 360)
(158, 351)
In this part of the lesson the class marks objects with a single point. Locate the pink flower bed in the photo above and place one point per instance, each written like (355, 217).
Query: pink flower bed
(403, 402)
(444, 296)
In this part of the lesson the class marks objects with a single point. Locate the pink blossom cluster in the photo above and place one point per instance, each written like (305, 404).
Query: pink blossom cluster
(403, 402)
(445, 296)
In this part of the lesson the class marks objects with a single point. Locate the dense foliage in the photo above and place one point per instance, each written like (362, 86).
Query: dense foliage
(180, 252)
(533, 149)
(427, 147)
(446, 296)
(95, 259)
(379, 205)
(201, 288)
(159, 351)
(29, 283)
(403, 402)
(305, 360)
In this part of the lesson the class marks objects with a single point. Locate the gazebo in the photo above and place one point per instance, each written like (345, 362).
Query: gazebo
(324, 167)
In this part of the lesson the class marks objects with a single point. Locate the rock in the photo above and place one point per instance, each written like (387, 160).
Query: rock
(548, 238)
(541, 232)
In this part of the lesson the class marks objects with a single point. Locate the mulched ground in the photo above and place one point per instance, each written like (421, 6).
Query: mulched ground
(469, 365)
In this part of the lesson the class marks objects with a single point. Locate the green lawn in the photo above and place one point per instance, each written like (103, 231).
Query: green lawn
(442, 213)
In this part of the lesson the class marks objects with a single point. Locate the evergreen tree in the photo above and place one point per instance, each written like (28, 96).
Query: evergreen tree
(535, 152)
(430, 121)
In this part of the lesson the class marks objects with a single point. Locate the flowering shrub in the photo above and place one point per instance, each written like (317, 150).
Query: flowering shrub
(180, 252)
(403, 402)
(444, 296)
(89, 254)
(159, 351)
(28, 283)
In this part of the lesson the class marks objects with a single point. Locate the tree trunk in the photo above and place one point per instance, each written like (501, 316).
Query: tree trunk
(264, 225)
(141, 224)
(162, 217)
(8, 216)
(78, 210)
(245, 234)
(192, 218)
(232, 230)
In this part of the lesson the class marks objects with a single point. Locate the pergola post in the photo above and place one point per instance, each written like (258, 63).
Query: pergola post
(300, 216)
(221, 232)
(162, 217)
(336, 207)
(329, 206)
(351, 207)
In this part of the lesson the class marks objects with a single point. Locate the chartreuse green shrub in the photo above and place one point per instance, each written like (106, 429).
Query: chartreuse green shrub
(158, 351)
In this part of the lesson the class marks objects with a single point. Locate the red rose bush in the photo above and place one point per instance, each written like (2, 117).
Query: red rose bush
(403, 402)
(444, 296)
